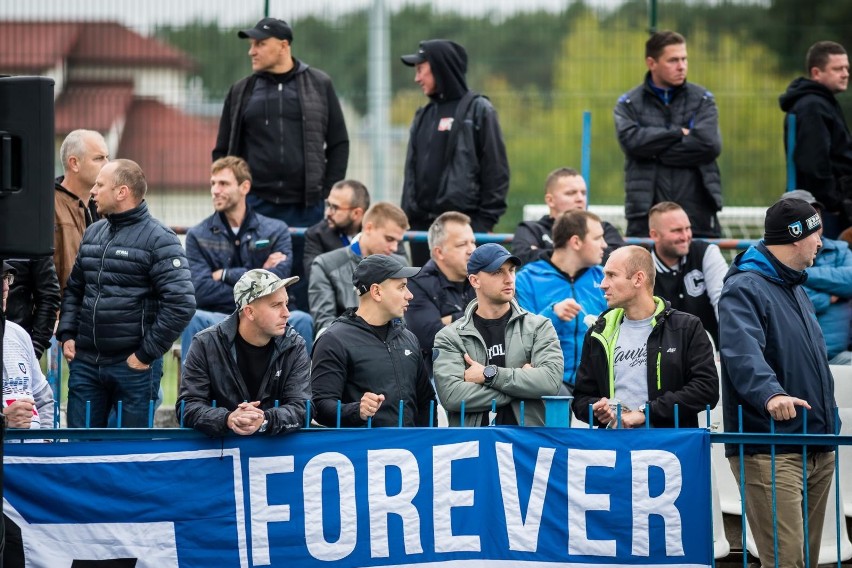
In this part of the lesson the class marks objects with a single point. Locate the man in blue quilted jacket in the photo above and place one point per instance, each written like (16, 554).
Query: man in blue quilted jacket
(128, 298)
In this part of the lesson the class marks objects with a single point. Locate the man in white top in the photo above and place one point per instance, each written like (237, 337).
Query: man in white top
(27, 398)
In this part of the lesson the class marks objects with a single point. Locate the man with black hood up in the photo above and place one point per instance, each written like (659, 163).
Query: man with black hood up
(456, 158)
(823, 146)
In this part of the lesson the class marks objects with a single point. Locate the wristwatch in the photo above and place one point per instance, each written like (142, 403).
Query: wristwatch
(490, 373)
(263, 426)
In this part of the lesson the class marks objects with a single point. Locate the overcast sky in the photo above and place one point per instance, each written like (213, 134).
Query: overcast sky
(141, 14)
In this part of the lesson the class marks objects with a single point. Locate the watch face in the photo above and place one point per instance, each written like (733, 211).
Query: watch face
(489, 372)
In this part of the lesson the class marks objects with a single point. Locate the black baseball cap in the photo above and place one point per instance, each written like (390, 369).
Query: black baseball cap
(8, 268)
(268, 27)
(377, 268)
(415, 58)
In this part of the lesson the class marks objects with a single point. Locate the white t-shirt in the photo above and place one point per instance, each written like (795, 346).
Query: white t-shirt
(630, 360)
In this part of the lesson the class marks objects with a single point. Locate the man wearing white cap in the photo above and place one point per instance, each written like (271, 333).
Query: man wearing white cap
(250, 373)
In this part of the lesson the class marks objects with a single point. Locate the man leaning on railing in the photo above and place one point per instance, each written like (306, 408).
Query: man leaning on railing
(265, 388)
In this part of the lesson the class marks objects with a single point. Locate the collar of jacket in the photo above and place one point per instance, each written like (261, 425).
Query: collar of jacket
(758, 259)
(249, 222)
(129, 217)
(609, 323)
(666, 96)
(229, 326)
(350, 317)
(430, 269)
(467, 320)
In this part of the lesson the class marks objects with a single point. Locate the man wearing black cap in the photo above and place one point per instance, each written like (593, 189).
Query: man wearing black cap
(774, 365)
(456, 158)
(286, 122)
(367, 361)
(498, 354)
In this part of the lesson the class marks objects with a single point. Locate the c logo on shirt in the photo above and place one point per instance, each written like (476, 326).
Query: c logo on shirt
(693, 281)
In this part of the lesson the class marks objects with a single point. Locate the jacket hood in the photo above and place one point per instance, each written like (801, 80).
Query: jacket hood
(802, 87)
(759, 260)
(448, 61)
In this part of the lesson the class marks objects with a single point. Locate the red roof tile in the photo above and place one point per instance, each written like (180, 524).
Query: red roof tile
(96, 106)
(104, 43)
(110, 43)
(173, 148)
(20, 52)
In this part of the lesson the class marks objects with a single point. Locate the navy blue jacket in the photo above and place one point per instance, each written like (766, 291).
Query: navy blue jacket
(129, 291)
(211, 245)
(771, 344)
(434, 298)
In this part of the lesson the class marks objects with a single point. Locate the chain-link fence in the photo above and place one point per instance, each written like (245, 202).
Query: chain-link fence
(152, 76)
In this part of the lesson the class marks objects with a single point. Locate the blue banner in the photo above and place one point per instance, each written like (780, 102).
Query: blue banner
(390, 497)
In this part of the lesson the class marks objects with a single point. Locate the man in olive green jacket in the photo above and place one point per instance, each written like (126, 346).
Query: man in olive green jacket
(498, 355)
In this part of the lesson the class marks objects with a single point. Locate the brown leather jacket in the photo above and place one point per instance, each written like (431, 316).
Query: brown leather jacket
(72, 216)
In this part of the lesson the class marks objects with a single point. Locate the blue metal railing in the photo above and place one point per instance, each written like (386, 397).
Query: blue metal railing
(557, 414)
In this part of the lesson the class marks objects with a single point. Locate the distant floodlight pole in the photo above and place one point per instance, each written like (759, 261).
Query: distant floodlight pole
(378, 100)
(586, 156)
(265, 8)
(791, 148)
(652, 16)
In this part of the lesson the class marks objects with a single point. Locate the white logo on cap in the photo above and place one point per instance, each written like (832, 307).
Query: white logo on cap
(265, 27)
(795, 228)
(813, 221)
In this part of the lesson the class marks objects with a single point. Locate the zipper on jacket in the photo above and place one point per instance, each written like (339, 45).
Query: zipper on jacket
(98, 295)
(659, 360)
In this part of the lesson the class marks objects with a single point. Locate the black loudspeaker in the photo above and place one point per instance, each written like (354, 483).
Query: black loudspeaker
(26, 167)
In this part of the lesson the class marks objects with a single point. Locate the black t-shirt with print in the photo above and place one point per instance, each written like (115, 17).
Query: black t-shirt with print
(493, 332)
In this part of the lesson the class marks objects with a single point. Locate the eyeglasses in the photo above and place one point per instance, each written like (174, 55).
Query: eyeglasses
(333, 208)
(9, 278)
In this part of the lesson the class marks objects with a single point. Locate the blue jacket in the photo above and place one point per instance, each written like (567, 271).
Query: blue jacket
(771, 344)
(831, 275)
(540, 285)
(212, 245)
(129, 291)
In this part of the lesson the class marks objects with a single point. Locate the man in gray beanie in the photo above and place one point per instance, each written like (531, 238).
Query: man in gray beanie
(774, 365)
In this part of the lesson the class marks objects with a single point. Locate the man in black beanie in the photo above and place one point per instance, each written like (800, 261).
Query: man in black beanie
(774, 365)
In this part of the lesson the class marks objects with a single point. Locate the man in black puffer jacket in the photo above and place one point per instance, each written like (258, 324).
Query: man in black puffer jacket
(668, 129)
(128, 298)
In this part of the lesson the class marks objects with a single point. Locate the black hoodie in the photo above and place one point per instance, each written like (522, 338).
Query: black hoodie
(473, 178)
(448, 61)
(823, 152)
